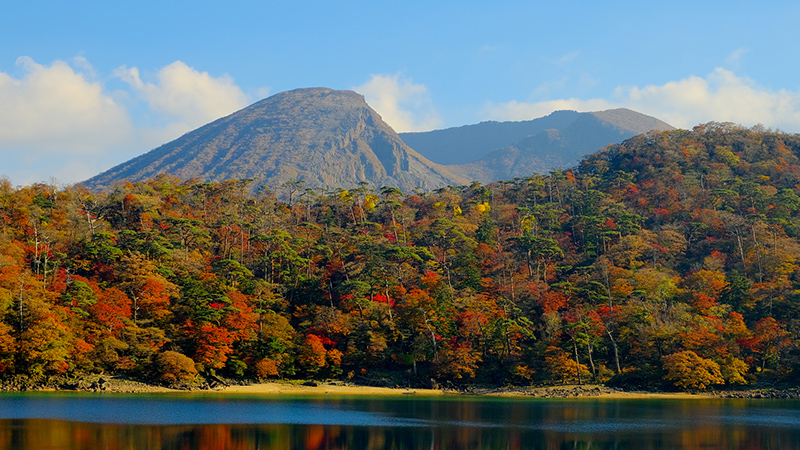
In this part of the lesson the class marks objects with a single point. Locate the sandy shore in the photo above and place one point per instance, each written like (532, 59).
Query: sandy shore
(347, 389)
(338, 388)
(325, 388)
(585, 391)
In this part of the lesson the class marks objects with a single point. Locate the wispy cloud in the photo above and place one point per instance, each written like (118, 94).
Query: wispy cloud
(735, 58)
(488, 49)
(515, 110)
(405, 106)
(567, 58)
(720, 96)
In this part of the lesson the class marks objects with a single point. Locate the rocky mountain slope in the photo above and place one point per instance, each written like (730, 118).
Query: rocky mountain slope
(330, 139)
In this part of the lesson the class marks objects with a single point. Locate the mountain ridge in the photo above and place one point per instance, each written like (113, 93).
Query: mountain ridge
(468, 143)
(325, 137)
(557, 140)
(333, 139)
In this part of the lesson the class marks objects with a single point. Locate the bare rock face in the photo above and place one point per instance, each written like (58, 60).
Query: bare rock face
(327, 138)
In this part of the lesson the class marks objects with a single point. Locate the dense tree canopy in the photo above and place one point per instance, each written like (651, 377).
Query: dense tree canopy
(670, 260)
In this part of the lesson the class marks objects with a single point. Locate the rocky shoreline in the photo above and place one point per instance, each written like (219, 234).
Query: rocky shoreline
(96, 384)
(774, 393)
(569, 391)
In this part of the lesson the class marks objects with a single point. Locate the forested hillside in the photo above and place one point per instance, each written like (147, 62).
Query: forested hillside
(671, 260)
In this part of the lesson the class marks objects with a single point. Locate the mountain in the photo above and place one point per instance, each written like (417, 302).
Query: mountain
(492, 151)
(468, 143)
(330, 139)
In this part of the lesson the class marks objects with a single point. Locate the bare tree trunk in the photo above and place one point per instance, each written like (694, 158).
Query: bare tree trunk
(135, 299)
(433, 339)
(577, 363)
(616, 350)
(591, 361)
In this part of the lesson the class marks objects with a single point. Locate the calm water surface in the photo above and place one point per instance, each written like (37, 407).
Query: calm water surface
(102, 421)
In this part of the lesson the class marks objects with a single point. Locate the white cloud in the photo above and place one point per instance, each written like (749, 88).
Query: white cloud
(59, 121)
(54, 109)
(186, 96)
(405, 106)
(514, 110)
(85, 67)
(721, 96)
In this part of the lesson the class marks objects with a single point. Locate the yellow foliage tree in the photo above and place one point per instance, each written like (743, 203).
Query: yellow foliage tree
(733, 370)
(689, 371)
(457, 362)
(561, 367)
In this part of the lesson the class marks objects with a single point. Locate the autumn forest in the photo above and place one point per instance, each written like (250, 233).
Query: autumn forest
(671, 261)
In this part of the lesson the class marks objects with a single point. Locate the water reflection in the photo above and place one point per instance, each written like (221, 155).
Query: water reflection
(97, 422)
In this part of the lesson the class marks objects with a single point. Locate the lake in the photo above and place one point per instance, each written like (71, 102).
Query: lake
(207, 421)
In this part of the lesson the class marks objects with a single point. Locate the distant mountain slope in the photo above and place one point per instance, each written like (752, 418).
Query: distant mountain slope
(468, 143)
(558, 148)
(330, 139)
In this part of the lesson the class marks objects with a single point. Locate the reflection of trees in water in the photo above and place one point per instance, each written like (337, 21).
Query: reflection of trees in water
(514, 424)
(35, 434)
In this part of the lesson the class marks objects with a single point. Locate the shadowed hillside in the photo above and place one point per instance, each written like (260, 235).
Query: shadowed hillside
(491, 151)
(559, 148)
(468, 143)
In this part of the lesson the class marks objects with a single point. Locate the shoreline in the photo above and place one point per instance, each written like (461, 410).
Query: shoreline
(564, 392)
(338, 388)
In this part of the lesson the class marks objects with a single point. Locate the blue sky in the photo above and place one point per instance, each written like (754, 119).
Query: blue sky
(87, 85)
